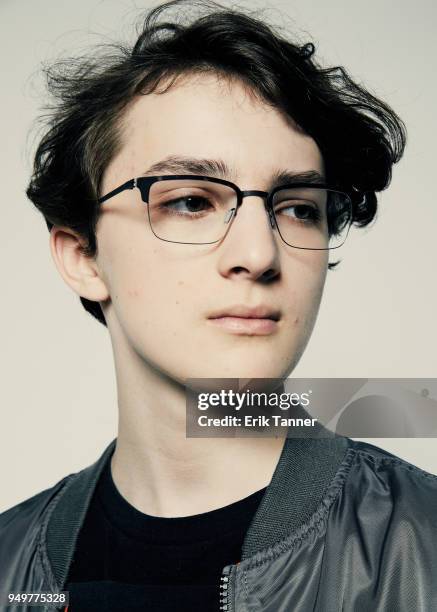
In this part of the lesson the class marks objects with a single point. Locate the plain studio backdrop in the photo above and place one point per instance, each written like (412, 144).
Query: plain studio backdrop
(378, 314)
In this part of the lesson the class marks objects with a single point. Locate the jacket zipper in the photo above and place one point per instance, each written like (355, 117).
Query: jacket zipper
(226, 588)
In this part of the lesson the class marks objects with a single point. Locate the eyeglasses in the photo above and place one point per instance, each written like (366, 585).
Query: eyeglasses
(193, 209)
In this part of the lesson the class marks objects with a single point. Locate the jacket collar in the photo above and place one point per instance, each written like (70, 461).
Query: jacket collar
(305, 469)
(68, 515)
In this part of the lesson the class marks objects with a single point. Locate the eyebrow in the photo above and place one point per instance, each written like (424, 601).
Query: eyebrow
(179, 164)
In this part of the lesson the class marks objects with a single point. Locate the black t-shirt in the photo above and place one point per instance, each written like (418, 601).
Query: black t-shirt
(127, 561)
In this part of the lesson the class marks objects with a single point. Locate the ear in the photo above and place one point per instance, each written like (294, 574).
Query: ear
(80, 272)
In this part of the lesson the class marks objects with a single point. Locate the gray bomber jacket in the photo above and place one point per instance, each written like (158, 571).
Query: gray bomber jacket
(343, 526)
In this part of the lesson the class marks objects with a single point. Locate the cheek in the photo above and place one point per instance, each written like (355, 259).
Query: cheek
(306, 289)
(150, 288)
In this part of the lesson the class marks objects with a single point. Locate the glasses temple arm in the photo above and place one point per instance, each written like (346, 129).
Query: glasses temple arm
(128, 185)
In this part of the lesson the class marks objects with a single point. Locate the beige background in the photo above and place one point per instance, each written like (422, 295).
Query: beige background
(58, 408)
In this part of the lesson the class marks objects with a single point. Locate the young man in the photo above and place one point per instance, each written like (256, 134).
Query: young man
(194, 188)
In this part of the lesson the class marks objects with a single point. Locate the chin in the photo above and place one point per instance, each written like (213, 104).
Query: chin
(229, 370)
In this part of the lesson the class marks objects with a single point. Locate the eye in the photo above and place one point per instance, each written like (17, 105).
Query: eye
(184, 205)
(300, 211)
(304, 211)
(190, 204)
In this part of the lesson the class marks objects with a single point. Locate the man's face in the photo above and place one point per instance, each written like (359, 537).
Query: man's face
(163, 294)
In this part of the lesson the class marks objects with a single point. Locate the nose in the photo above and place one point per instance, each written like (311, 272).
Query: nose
(250, 247)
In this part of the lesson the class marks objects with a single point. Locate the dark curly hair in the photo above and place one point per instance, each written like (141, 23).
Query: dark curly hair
(359, 136)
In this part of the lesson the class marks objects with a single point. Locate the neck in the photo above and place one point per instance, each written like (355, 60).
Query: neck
(160, 471)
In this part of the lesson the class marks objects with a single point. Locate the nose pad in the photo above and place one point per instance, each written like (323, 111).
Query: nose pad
(272, 218)
(229, 215)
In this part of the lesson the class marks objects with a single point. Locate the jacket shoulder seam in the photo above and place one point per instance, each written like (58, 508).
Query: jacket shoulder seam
(397, 462)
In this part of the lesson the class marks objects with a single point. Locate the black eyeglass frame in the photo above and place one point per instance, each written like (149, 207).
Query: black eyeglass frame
(144, 184)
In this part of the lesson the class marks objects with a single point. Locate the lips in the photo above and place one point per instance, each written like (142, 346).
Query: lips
(242, 311)
(242, 320)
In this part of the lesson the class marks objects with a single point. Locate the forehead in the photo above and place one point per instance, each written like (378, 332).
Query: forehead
(207, 116)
